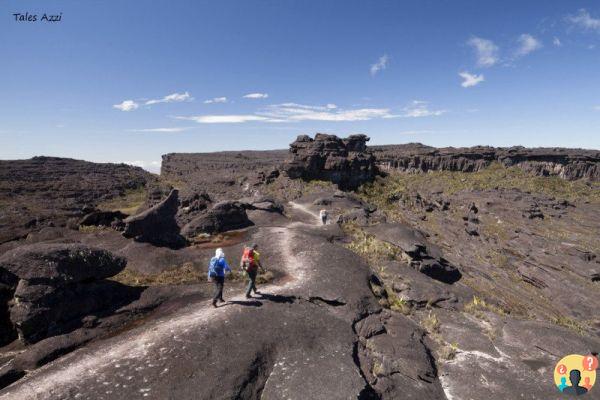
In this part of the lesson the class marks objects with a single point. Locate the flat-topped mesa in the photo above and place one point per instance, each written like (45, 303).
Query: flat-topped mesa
(570, 164)
(345, 162)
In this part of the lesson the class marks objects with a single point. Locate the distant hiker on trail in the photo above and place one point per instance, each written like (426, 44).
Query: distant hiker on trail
(216, 272)
(323, 214)
(250, 263)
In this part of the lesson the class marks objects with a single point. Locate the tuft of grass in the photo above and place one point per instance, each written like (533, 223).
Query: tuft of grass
(378, 369)
(396, 303)
(448, 351)
(431, 324)
(479, 306)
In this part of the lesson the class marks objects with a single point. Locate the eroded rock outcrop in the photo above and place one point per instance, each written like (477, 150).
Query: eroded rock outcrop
(224, 216)
(157, 225)
(345, 162)
(49, 286)
(568, 164)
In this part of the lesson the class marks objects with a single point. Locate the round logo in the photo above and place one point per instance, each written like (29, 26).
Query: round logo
(576, 374)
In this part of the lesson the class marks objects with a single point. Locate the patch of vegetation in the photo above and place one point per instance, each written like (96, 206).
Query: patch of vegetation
(431, 324)
(479, 306)
(368, 246)
(385, 192)
(570, 324)
(128, 204)
(92, 228)
(396, 303)
(447, 351)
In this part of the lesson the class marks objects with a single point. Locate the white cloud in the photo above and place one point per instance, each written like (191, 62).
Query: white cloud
(152, 166)
(556, 42)
(171, 98)
(470, 80)
(419, 108)
(216, 100)
(584, 20)
(486, 51)
(381, 64)
(256, 96)
(223, 119)
(160, 130)
(292, 112)
(127, 105)
(527, 44)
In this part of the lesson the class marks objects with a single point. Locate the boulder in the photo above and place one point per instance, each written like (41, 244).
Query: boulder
(50, 285)
(424, 256)
(345, 162)
(224, 216)
(157, 225)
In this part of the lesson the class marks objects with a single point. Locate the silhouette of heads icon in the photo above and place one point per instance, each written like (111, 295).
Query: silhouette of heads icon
(575, 377)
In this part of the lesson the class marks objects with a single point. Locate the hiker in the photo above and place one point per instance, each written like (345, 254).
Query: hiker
(323, 215)
(250, 263)
(216, 272)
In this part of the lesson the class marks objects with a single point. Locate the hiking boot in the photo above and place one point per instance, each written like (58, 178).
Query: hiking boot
(214, 303)
(248, 296)
(221, 301)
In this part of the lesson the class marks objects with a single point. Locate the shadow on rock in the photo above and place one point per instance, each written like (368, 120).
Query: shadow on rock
(277, 298)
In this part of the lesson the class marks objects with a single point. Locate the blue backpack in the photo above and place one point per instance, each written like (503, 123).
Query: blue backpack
(212, 266)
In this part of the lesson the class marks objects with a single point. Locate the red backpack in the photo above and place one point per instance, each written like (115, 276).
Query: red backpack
(248, 259)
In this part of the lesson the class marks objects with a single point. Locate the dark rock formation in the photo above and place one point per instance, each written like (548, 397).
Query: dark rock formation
(157, 225)
(345, 162)
(568, 164)
(425, 257)
(395, 359)
(102, 218)
(224, 216)
(53, 284)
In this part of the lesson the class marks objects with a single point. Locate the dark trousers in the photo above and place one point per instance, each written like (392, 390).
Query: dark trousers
(251, 281)
(218, 281)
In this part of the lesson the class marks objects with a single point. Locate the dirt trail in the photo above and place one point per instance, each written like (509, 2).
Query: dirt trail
(55, 379)
(302, 208)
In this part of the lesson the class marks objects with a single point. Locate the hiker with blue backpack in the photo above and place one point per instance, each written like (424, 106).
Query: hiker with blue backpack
(216, 272)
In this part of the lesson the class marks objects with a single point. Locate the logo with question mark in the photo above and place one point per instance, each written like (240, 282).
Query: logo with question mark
(576, 374)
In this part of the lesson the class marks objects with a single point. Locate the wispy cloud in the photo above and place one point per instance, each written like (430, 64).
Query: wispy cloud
(418, 109)
(256, 96)
(171, 98)
(470, 80)
(224, 119)
(584, 20)
(216, 100)
(527, 44)
(380, 65)
(127, 105)
(485, 50)
(597, 108)
(294, 112)
(159, 130)
(556, 42)
(300, 112)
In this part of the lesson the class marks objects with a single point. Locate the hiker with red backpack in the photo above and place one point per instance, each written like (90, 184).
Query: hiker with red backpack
(216, 272)
(250, 263)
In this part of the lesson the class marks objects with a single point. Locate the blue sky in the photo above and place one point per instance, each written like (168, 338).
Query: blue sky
(130, 81)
